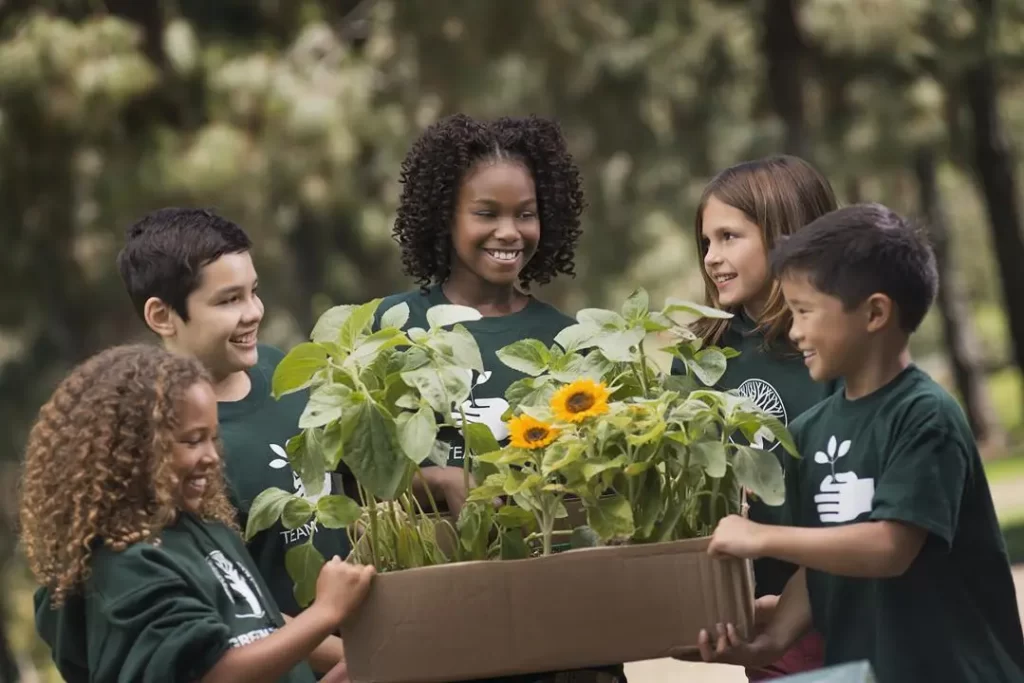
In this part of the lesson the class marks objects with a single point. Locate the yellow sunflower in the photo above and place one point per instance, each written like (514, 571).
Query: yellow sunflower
(530, 433)
(582, 399)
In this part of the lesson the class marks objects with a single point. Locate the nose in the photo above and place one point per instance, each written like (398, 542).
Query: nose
(254, 310)
(711, 257)
(210, 456)
(506, 230)
(794, 333)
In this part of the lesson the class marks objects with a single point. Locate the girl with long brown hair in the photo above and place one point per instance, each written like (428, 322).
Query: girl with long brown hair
(743, 213)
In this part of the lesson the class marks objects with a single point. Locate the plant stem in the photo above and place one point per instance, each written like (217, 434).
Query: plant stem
(643, 369)
(373, 529)
(465, 449)
(430, 495)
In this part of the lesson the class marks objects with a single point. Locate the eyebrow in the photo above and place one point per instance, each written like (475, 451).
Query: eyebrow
(234, 289)
(493, 202)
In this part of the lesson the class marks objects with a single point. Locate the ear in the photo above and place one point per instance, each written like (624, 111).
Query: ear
(879, 310)
(160, 317)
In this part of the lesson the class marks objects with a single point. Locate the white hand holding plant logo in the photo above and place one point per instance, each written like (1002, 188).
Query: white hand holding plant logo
(238, 584)
(843, 496)
(281, 461)
(486, 411)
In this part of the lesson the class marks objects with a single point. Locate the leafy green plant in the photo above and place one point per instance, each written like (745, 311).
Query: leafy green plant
(376, 401)
(650, 454)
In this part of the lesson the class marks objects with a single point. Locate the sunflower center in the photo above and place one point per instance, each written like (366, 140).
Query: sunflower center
(579, 402)
(535, 434)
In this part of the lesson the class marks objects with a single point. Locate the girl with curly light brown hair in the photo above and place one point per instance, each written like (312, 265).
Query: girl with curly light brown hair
(126, 524)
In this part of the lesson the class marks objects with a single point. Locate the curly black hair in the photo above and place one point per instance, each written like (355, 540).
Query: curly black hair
(433, 171)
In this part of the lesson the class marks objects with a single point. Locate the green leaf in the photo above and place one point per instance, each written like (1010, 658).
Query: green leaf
(297, 512)
(530, 391)
(648, 507)
(366, 351)
(324, 405)
(577, 336)
(328, 443)
(729, 352)
(396, 316)
(416, 433)
(513, 547)
(303, 563)
(439, 453)
(528, 356)
(560, 456)
(636, 306)
(512, 517)
(464, 350)
(621, 345)
(761, 472)
(602, 318)
(673, 305)
(329, 324)
(358, 323)
(479, 438)
(372, 450)
(591, 366)
(710, 456)
(337, 511)
(595, 466)
(584, 537)
(444, 315)
(441, 388)
(780, 432)
(611, 517)
(296, 369)
(708, 365)
(265, 511)
(305, 456)
(505, 456)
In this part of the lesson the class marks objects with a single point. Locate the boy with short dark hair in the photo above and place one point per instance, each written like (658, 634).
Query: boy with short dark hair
(191, 278)
(903, 562)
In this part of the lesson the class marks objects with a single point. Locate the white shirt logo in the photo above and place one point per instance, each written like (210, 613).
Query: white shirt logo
(767, 398)
(487, 411)
(239, 585)
(281, 461)
(844, 496)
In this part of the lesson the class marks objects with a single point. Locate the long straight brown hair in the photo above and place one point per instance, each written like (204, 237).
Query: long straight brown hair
(780, 194)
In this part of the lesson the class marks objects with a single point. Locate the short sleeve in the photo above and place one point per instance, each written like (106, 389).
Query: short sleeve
(923, 479)
(159, 624)
(791, 472)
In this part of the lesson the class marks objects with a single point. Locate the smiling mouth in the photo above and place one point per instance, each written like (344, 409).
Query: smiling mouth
(196, 484)
(247, 339)
(723, 278)
(506, 255)
(809, 354)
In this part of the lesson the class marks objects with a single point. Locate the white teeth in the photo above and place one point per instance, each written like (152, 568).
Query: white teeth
(503, 255)
(245, 338)
(723, 278)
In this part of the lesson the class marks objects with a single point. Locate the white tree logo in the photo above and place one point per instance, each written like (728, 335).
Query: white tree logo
(767, 398)
(237, 582)
(281, 461)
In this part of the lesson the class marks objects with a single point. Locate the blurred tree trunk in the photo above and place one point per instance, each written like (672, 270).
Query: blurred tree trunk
(957, 325)
(785, 52)
(994, 165)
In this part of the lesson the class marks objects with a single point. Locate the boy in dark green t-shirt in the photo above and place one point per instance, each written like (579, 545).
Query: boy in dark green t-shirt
(191, 278)
(903, 563)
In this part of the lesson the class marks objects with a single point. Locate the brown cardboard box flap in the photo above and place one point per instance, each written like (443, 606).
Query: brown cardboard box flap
(572, 610)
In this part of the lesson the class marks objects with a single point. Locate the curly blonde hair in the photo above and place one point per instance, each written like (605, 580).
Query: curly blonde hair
(98, 463)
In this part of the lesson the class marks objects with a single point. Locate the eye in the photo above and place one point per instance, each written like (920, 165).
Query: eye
(484, 214)
(728, 235)
(527, 215)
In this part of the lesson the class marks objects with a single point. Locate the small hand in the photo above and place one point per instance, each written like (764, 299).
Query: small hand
(764, 609)
(729, 648)
(738, 537)
(341, 587)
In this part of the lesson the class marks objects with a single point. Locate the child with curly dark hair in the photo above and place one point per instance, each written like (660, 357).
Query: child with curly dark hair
(487, 209)
(126, 524)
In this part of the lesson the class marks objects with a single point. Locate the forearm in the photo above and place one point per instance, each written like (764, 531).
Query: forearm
(271, 658)
(791, 618)
(866, 550)
(326, 655)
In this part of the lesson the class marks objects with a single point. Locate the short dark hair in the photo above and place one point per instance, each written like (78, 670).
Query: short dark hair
(860, 250)
(166, 249)
(432, 174)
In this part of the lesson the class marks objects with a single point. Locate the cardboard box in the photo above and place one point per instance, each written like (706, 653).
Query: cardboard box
(576, 609)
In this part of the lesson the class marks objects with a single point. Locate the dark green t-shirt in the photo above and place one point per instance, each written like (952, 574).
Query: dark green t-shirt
(906, 453)
(254, 432)
(487, 402)
(166, 612)
(775, 378)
